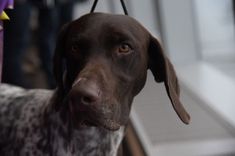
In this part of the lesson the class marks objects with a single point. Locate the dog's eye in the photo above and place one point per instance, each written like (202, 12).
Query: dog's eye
(74, 48)
(124, 48)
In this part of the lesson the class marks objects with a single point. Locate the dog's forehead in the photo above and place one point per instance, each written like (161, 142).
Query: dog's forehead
(108, 22)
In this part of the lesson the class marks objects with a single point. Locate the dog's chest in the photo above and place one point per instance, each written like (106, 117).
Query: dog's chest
(86, 142)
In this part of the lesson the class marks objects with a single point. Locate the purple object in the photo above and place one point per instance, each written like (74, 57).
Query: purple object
(1, 49)
(3, 5)
(6, 4)
(1, 52)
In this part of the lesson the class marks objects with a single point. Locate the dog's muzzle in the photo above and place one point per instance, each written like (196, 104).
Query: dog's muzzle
(87, 107)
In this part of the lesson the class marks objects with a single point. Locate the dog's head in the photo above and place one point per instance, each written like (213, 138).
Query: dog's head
(106, 60)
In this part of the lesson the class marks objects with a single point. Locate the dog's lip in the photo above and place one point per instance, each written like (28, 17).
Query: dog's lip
(106, 124)
(110, 125)
(83, 118)
(87, 123)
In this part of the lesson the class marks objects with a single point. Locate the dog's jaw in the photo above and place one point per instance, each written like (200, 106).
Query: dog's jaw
(95, 140)
(82, 119)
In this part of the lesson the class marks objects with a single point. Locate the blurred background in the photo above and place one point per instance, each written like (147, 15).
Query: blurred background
(197, 35)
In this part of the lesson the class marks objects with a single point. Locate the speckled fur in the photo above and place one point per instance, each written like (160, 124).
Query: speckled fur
(29, 127)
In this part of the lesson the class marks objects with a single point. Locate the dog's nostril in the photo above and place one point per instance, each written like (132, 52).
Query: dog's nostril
(86, 93)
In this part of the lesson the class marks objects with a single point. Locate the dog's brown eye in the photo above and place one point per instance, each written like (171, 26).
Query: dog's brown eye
(124, 48)
(74, 48)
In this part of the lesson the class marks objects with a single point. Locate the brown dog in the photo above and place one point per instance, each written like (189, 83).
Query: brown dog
(101, 62)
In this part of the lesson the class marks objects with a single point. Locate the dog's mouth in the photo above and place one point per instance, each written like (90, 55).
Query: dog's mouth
(89, 119)
(86, 123)
(85, 118)
(106, 124)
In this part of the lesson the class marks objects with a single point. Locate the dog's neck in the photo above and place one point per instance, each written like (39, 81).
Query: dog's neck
(87, 141)
(96, 142)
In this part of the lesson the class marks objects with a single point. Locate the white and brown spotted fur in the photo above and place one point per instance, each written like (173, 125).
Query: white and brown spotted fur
(30, 128)
(100, 65)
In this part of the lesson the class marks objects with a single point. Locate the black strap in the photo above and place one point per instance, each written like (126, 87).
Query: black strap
(93, 6)
(122, 2)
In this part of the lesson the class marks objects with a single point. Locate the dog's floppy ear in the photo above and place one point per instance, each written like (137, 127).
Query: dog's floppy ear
(58, 63)
(163, 71)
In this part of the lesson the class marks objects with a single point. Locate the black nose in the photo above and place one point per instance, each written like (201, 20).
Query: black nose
(85, 93)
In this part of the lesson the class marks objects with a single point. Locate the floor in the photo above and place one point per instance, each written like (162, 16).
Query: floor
(166, 133)
(227, 67)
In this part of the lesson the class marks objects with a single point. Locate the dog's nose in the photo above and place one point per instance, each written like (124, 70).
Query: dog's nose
(88, 94)
(85, 93)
